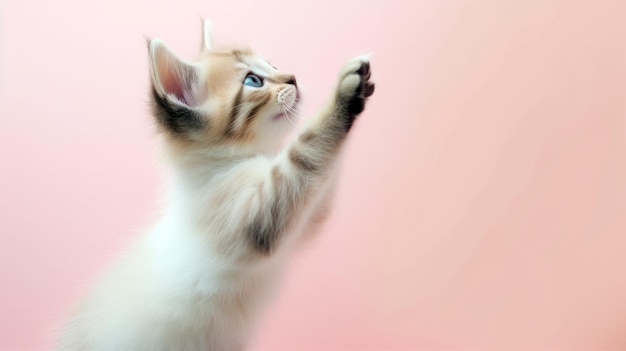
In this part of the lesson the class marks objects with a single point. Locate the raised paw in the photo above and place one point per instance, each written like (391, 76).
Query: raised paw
(354, 88)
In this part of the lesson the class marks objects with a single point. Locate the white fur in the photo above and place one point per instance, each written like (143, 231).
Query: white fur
(177, 288)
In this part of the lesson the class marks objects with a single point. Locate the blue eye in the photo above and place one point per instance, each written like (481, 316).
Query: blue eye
(253, 80)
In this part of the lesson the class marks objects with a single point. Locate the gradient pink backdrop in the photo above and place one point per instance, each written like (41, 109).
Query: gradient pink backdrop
(483, 199)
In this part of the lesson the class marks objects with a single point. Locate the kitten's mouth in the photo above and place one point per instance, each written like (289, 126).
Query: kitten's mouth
(288, 111)
(279, 116)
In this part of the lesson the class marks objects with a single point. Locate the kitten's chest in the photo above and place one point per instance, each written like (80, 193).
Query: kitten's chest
(207, 298)
(190, 262)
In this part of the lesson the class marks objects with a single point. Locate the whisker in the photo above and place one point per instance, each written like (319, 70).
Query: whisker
(286, 114)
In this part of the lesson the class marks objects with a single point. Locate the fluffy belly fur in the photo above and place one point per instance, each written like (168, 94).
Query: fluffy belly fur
(169, 295)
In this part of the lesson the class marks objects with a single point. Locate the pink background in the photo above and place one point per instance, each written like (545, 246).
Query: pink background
(483, 199)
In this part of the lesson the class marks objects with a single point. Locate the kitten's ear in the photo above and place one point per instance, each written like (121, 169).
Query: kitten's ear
(174, 79)
(207, 35)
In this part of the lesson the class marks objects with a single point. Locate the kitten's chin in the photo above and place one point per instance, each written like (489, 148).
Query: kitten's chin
(284, 117)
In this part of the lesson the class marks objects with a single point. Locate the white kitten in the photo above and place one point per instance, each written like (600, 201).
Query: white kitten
(237, 203)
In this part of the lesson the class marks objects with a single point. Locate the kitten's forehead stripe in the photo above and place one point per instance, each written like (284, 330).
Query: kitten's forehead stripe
(250, 60)
(240, 54)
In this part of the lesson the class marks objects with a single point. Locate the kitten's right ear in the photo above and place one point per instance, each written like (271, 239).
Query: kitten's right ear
(207, 35)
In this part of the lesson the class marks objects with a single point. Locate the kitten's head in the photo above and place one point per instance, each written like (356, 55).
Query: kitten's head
(226, 96)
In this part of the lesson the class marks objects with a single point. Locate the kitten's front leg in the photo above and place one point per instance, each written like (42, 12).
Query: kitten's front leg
(319, 143)
(304, 165)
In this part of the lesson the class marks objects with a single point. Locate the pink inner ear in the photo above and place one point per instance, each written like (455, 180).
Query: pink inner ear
(179, 81)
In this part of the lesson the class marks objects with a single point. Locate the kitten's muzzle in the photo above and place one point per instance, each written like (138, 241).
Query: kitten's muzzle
(288, 96)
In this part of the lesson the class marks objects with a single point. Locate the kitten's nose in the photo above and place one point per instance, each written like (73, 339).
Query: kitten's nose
(291, 80)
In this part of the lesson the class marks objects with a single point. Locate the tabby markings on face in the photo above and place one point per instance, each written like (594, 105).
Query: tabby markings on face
(226, 93)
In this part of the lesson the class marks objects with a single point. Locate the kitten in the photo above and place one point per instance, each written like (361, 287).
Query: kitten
(237, 203)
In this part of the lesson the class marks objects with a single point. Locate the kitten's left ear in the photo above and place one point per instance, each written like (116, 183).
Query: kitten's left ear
(172, 77)
(207, 35)
(177, 90)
